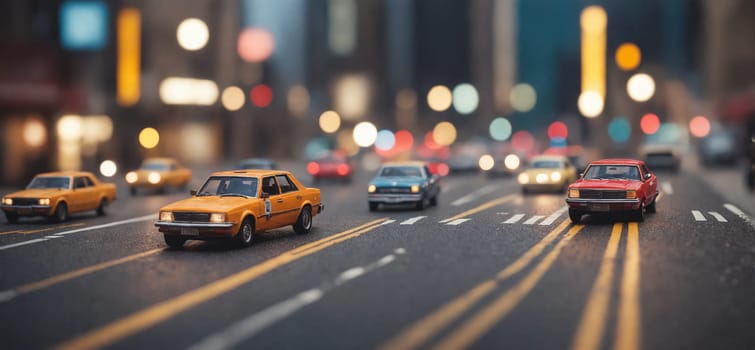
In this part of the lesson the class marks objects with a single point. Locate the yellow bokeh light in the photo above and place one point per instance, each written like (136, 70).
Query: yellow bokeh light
(593, 19)
(34, 133)
(233, 98)
(486, 162)
(149, 138)
(628, 56)
(346, 142)
(439, 98)
(590, 104)
(444, 133)
(330, 121)
(69, 128)
(523, 97)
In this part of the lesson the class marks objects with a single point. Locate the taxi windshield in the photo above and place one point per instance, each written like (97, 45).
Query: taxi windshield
(546, 164)
(610, 172)
(156, 166)
(229, 186)
(50, 182)
(400, 171)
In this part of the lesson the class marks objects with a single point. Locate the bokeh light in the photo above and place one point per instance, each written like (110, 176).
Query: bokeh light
(261, 95)
(149, 138)
(330, 121)
(385, 140)
(439, 98)
(558, 130)
(522, 141)
(628, 56)
(298, 100)
(486, 162)
(465, 98)
(404, 140)
(35, 132)
(430, 141)
(500, 129)
(590, 104)
(192, 34)
(233, 98)
(619, 130)
(649, 123)
(444, 133)
(523, 97)
(512, 161)
(593, 19)
(69, 128)
(699, 126)
(255, 45)
(108, 168)
(641, 87)
(365, 134)
(345, 142)
(316, 147)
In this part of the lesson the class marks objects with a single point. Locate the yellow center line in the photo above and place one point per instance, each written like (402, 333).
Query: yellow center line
(482, 207)
(628, 332)
(592, 325)
(145, 318)
(34, 286)
(481, 323)
(26, 232)
(427, 327)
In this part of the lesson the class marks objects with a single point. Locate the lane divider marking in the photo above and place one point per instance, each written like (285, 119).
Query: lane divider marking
(628, 325)
(533, 220)
(698, 216)
(514, 219)
(553, 217)
(718, 216)
(485, 206)
(412, 221)
(474, 195)
(457, 222)
(738, 212)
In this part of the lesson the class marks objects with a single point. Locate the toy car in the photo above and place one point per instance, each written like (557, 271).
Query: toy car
(661, 157)
(613, 185)
(403, 182)
(236, 204)
(56, 195)
(158, 173)
(256, 163)
(330, 165)
(551, 173)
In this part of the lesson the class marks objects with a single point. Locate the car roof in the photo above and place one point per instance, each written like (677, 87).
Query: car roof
(618, 161)
(67, 173)
(549, 157)
(250, 172)
(406, 163)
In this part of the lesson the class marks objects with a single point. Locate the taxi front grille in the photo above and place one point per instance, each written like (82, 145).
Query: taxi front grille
(599, 194)
(25, 201)
(191, 216)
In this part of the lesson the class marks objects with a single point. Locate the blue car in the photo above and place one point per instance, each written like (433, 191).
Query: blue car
(404, 183)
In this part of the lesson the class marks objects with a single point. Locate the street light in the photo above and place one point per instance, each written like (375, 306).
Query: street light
(192, 34)
(641, 87)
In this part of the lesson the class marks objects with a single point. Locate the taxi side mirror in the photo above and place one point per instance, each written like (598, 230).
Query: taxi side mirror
(193, 192)
(265, 195)
(581, 175)
(648, 176)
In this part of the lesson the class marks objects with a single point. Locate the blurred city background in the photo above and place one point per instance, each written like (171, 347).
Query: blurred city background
(83, 82)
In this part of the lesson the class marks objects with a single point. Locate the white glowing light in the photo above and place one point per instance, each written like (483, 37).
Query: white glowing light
(108, 168)
(365, 134)
(590, 104)
(192, 34)
(465, 98)
(641, 87)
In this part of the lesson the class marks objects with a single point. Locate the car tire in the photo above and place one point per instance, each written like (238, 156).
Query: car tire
(245, 236)
(11, 217)
(304, 222)
(575, 215)
(132, 190)
(373, 206)
(102, 209)
(174, 241)
(434, 200)
(639, 214)
(651, 208)
(61, 212)
(524, 190)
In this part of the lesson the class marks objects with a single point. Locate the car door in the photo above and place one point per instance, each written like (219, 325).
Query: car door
(650, 184)
(79, 198)
(433, 182)
(274, 204)
(290, 198)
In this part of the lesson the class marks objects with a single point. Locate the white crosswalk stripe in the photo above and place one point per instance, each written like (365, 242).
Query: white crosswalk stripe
(550, 219)
(698, 216)
(457, 222)
(718, 216)
(514, 219)
(387, 222)
(412, 221)
(533, 220)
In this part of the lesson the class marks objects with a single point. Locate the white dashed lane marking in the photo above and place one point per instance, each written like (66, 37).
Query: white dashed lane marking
(533, 220)
(550, 219)
(698, 216)
(718, 216)
(413, 220)
(514, 219)
(457, 222)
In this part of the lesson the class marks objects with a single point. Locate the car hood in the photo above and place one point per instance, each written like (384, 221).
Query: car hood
(209, 204)
(37, 193)
(607, 184)
(396, 181)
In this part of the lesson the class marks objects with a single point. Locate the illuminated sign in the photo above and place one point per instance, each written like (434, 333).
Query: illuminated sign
(83, 25)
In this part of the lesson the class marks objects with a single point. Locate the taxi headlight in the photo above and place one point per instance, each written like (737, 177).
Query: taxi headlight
(415, 188)
(7, 201)
(573, 193)
(131, 177)
(555, 176)
(44, 201)
(523, 178)
(166, 216)
(631, 194)
(154, 178)
(217, 217)
(541, 178)
(371, 188)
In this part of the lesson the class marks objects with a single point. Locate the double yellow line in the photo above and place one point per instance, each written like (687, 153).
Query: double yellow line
(27, 232)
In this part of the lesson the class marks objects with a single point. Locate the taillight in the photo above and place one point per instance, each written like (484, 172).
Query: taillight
(343, 169)
(313, 168)
(443, 169)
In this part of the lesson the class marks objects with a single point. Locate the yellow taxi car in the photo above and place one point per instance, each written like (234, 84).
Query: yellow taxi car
(238, 203)
(158, 173)
(58, 194)
(548, 173)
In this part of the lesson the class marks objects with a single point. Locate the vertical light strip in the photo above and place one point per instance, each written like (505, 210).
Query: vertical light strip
(593, 22)
(129, 57)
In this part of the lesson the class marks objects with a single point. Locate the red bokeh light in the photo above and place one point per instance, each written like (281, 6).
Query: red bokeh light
(404, 141)
(255, 45)
(522, 141)
(343, 169)
(442, 169)
(558, 129)
(650, 123)
(313, 168)
(430, 141)
(699, 126)
(261, 95)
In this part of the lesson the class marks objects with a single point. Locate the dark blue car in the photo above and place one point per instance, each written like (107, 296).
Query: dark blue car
(404, 183)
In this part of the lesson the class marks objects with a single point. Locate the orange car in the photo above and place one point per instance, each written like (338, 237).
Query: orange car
(236, 204)
(158, 173)
(58, 194)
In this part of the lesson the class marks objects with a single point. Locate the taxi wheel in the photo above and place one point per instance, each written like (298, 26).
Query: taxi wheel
(12, 217)
(434, 200)
(575, 216)
(174, 242)
(420, 204)
(304, 223)
(101, 210)
(61, 212)
(651, 208)
(246, 233)
(639, 214)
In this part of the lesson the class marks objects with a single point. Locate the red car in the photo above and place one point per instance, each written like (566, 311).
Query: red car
(330, 165)
(613, 185)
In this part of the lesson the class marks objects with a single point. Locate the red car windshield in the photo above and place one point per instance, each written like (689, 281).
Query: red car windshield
(611, 172)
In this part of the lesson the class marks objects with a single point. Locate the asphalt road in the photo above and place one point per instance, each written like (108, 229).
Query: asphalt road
(487, 268)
